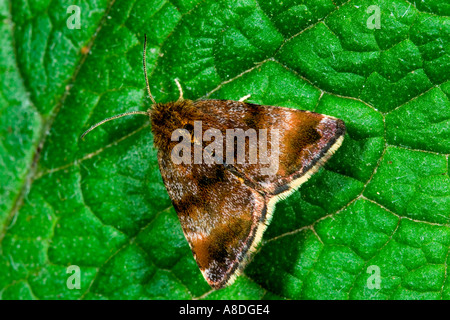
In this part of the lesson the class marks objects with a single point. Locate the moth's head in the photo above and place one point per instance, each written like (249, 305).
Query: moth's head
(168, 117)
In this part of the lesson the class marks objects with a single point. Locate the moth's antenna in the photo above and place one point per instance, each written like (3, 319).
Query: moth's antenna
(112, 118)
(131, 112)
(145, 70)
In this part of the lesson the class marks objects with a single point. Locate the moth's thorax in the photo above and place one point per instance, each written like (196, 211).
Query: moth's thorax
(167, 117)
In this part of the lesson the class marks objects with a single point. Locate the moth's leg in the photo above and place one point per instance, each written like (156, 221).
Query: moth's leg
(245, 98)
(179, 89)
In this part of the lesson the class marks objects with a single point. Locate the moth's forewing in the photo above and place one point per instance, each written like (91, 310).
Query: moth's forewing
(220, 216)
(225, 208)
(305, 138)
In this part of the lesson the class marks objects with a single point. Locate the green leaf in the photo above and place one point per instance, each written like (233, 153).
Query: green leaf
(381, 203)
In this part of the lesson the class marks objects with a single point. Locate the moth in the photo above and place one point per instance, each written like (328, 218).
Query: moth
(225, 206)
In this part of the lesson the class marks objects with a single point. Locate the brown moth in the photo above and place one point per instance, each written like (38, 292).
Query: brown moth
(225, 207)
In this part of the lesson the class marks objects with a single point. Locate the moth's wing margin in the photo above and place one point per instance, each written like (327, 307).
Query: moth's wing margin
(222, 218)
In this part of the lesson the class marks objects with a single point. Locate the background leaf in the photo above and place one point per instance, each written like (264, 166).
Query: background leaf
(383, 200)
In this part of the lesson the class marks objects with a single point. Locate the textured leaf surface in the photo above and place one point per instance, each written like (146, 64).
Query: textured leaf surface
(383, 200)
